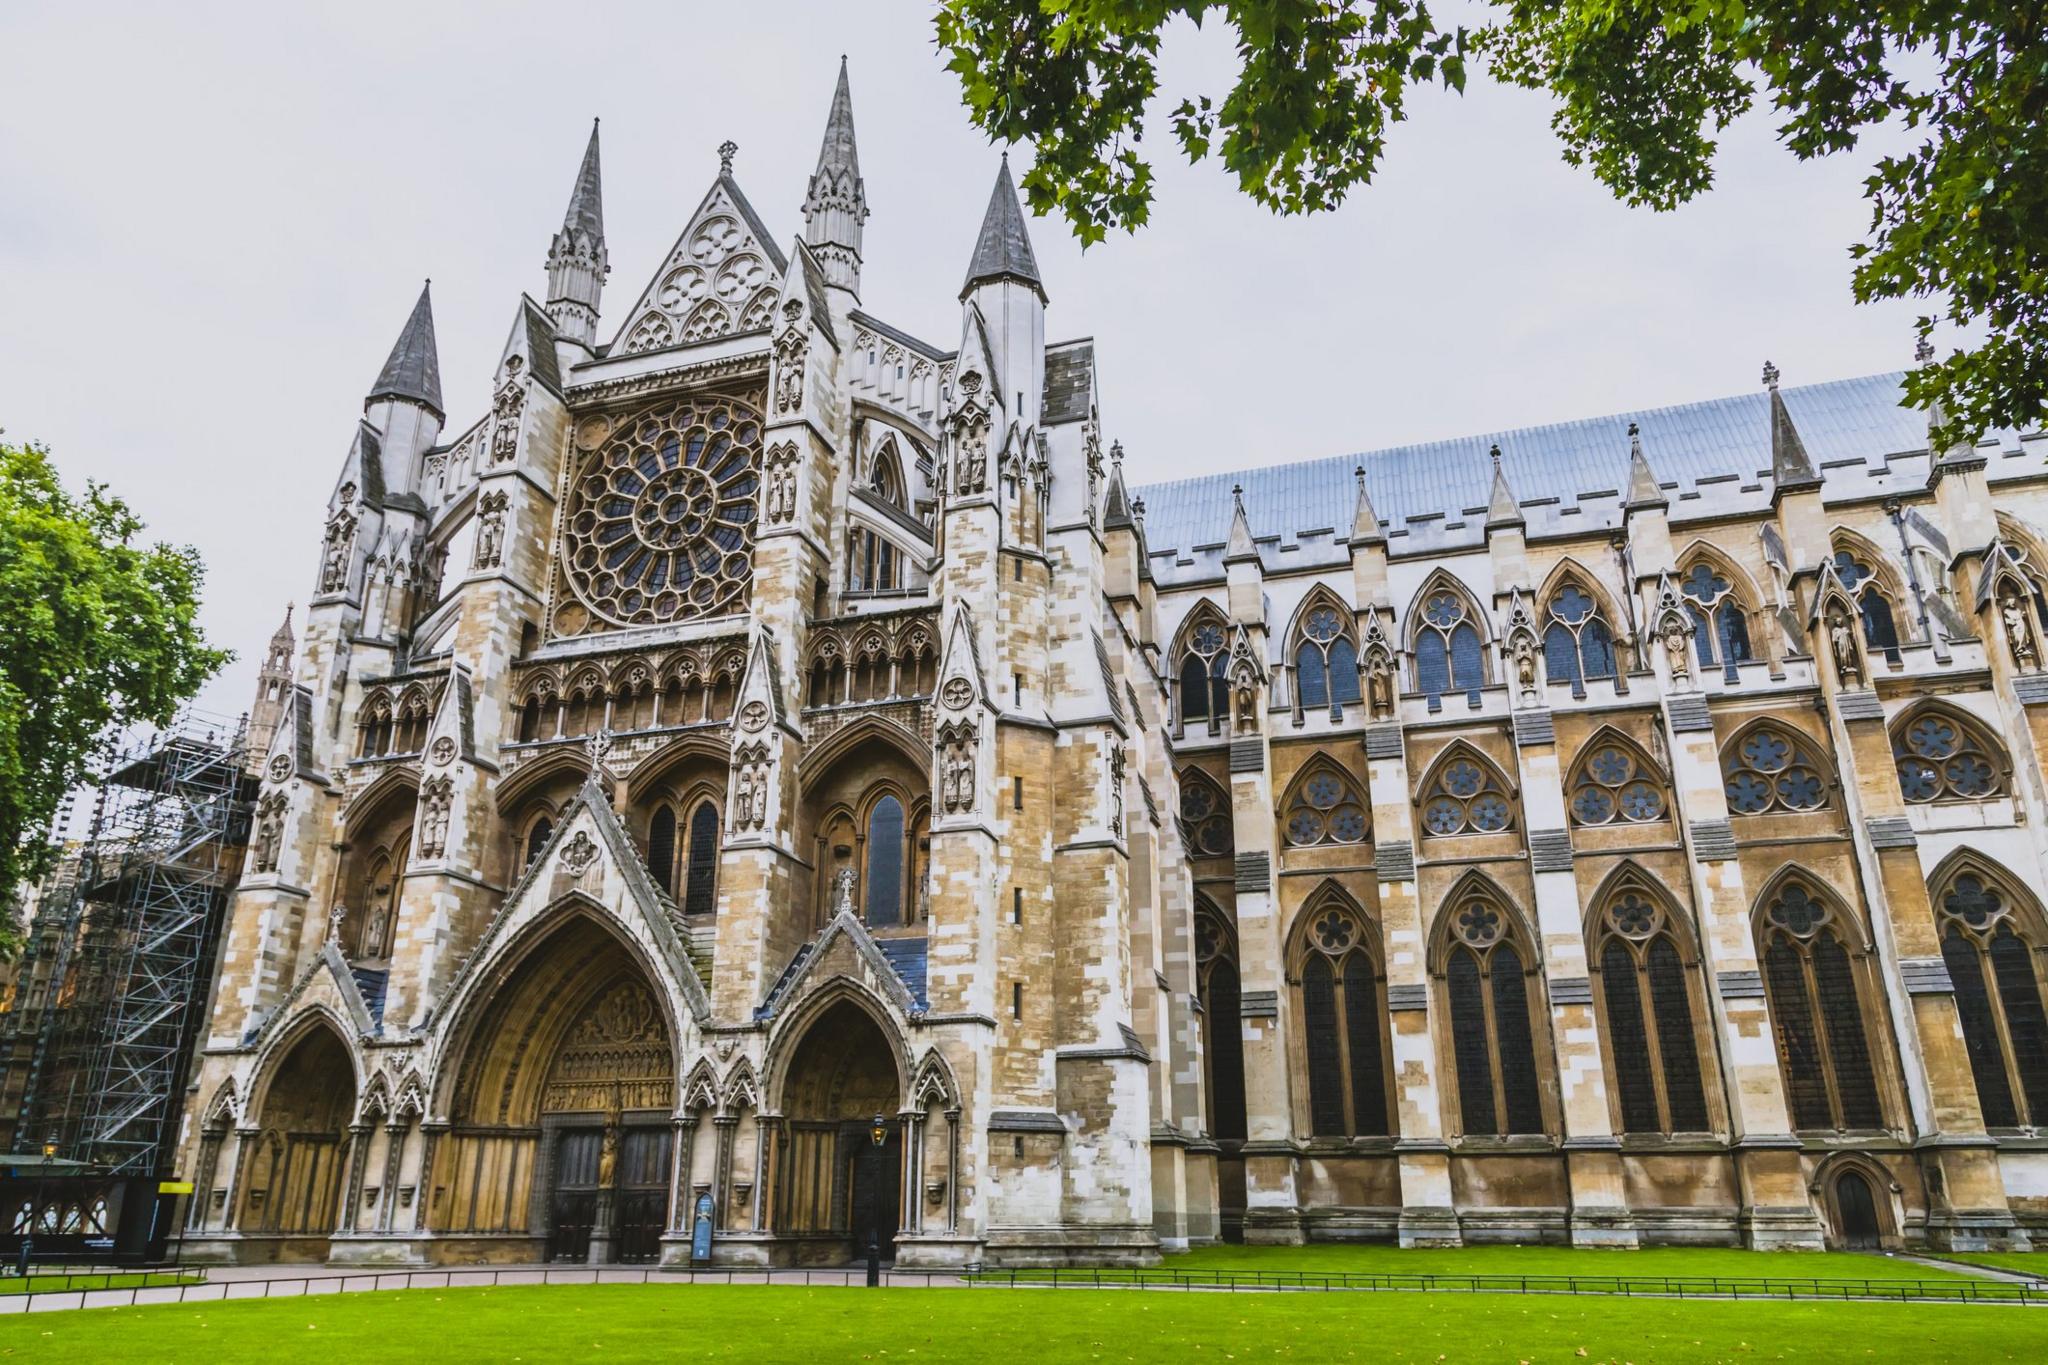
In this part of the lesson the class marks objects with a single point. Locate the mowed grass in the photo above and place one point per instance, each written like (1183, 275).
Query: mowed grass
(37, 1283)
(2026, 1262)
(918, 1326)
(1721, 1262)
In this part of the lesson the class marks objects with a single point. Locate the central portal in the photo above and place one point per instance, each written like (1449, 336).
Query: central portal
(843, 1190)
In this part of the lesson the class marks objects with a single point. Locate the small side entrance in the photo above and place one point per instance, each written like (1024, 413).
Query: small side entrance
(876, 1179)
(1856, 1213)
(574, 1211)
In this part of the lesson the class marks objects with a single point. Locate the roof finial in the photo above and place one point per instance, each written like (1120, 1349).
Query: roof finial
(1923, 351)
(1359, 474)
(1495, 453)
(1116, 452)
(726, 151)
(1237, 495)
(1770, 375)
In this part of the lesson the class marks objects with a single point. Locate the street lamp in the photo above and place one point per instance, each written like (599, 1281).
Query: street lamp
(878, 1135)
(878, 1130)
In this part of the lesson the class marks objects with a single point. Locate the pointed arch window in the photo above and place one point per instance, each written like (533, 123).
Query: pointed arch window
(1720, 625)
(1942, 757)
(1465, 796)
(1204, 695)
(1325, 806)
(1205, 822)
(1342, 1026)
(1653, 1036)
(1577, 643)
(1873, 607)
(661, 846)
(1222, 1000)
(1612, 786)
(1816, 994)
(1326, 661)
(1449, 655)
(1486, 983)
(700, 888)
(1995, 961)
(537, 838)
(885, 861)
(1769, 769)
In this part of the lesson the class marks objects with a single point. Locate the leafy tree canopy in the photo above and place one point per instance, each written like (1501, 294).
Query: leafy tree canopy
(1643, 88)
(97, 631)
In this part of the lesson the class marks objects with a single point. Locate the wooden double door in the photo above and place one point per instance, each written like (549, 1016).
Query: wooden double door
(639, 1193)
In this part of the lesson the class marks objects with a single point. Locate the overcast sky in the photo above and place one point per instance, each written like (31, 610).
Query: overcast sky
(214, 218)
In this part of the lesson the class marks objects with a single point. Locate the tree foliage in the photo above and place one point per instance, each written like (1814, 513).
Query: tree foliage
(1644, 88)
(97, 631)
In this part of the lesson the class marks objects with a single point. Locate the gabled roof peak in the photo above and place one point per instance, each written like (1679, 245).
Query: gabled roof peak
(413, 369)
(1003, 250)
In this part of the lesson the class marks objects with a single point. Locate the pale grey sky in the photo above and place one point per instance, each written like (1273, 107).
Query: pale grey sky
(214, 217)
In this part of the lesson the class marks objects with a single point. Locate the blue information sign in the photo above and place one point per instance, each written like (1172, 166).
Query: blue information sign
(700, 1232)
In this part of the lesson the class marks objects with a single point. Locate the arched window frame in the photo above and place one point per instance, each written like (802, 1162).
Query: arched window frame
(1869, 579)
(1577, 633)
(1944, 755)
(885, 474)
(1202, 651)
(1635, 925)
(1207, 829)
(1994, 942)
(1771, 768)
(702, 834)
(1325, 804)
(539, 827)
(1478, 922)
(1613, 782)
(1447, 640)
(1464, 778)
(1324, 637)
(859, 816)
(1220, 988)
(1810, 944)
(373, 729)
(1350, 1091)
(1721, 601)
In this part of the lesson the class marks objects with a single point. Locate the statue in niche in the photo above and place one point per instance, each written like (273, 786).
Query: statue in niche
(376, 927)
(1379, 686)
(2019, 631)
(1525, 666)
(1246, 701)
(1676, 654)
(1842, 642)
(269, 831)
(842, 890)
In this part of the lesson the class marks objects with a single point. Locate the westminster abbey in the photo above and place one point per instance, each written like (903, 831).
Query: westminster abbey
(773, 768)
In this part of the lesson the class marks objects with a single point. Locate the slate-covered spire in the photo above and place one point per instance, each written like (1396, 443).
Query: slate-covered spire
(1240, 546)
(1365, 521)
(413, 370)
(836, 202)
(1643, 489)
(1116, 500)
(1791, 470)
(1501, 507)
(273, 690)
(577, 263)
(1003, 250)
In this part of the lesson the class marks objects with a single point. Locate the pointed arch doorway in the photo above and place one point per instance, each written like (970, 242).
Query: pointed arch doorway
(841, 1189)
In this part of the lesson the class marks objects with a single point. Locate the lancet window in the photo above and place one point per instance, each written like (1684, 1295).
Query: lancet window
(1205, 821)
(1993, 948)
(1943, 757)
(1612, 786)
(1873, 607)
(682, 853)
(1325, 806)
(1577, 643)
(1768, 769)
(1222, 1031)
(1449, 655)
(1813, 980)
(1720, 625)
(1204, 694)
(1647, 995)
(1342, 1024)
(1326, 660)
(1486, 984)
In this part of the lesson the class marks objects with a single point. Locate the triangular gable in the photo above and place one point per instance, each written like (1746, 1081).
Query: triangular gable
(805, 287)
(815, 959)
(961, 662)
(723, 276)
(758, 703)
(588, 852)
(291, 745)
(454, 720)
(532, 342)
(330, 963)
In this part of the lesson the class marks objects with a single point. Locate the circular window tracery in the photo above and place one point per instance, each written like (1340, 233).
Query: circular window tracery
(660, 525)
(1768, 771)
(1326, 809)
(1465, 799)
(1612, 787)
(1205, 822)
(1940, 760)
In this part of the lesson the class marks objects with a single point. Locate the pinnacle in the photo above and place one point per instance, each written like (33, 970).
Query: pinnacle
(586, 202)
(1003, 250)
(413, 369)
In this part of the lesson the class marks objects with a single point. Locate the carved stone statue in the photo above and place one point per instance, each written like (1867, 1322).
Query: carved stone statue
(2019, 631)
(1246, 702)
(1675, 652)
(269, 831)
(608, 1154)
(842, 890)
(376, 930)
(490, 531)
(1842, 642)
(505, 424)
(1379, 686)
(437, 799)
(1525, 665)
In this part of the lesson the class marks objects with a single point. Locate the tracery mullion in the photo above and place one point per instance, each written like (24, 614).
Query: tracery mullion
(1823, 1041)
(1986, 1039)
(1496, 1063)
(2019, 989)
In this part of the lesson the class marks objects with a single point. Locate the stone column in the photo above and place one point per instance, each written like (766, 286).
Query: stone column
(684, 1142)
(202, 1188)
(394, 1156)
(423, 1196)
(231, 1212)
(358, 1158)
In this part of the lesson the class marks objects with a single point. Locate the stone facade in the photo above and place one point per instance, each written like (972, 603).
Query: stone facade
(774, 763)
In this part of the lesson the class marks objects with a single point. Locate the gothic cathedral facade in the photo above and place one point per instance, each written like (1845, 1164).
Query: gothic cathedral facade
(772, 769)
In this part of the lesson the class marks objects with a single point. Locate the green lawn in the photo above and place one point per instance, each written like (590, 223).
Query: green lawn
(1725, 1262)
(41, 1283)
(2027, 1262)
(915, 1327)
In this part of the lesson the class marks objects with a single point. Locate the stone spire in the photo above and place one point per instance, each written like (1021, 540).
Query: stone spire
(836, 203)
(1959, 453)
(1116, 501)
(1240, 546)
(1791, 469)
(1643, 489)
(1365, 522)
(1003, 250)
(577, 263)
(1501, 507)
(273, 690)
(412, 373)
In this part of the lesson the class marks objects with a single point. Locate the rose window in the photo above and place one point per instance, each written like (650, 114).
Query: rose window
(1478, 924)
(1612, 787)
(1204, 822)
(1796, 912)
(1326, 809)
(1465, 798)
(661, 517)
(1940, 760)
(1632, 916)
(1771, 771)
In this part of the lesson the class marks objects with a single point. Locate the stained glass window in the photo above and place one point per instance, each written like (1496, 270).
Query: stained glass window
(1204, 695)
(1222, 1028)
(1577, 644)
(1770, 769)
(1341, 1020)
(1325, 807)
(1649, 1017)
(1325, 660)
(1721, 627)
(1999, 998)
(1448, 654)
(1942, 757)
(1823, 1048)
(1465, 797)
(1204, 816)
(1880, 627)
(1611, 787)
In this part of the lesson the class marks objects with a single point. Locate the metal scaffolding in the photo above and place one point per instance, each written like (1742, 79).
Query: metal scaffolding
(111, 992)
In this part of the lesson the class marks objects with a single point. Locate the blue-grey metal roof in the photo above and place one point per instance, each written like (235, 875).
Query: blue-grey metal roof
(1713, 458)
